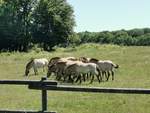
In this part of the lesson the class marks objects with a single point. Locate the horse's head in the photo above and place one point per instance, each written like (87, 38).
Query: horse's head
(51, 68)
(28, 67)
(83, 59)
(53, 60)
(26, 72)
(93, 60)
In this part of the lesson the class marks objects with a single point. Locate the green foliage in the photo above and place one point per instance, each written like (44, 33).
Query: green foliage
(49, 23)
(74, 40)
(134, 37)
(53, 23)
(15, 24)
(44, 22)
(144, 40)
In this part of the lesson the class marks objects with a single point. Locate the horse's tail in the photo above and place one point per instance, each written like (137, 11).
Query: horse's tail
(115, 65)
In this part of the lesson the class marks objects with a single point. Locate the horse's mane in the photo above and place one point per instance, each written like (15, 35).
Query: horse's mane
(54, 58)
(83, 59)
(93, 60)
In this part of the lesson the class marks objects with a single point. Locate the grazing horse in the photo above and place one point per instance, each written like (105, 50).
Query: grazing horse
(35, 64)
(53, 60)
(59, 67)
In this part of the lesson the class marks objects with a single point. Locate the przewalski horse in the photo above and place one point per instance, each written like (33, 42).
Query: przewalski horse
(107, 66)
(80, 69)
(59, 67)
(35, 64)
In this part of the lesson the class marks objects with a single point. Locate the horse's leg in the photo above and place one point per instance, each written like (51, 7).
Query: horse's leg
(73, 76)
(43, 69)
(92, 79)
(48, 75)
(59, 75)
(78, 78)
(70, 79)
(88, 76)
(108, 75)
(98, 78)
(35, 70)
(103, 75)
(56, 75)
(112, 75)
(99, 75)
(65, 77)
(84, 75)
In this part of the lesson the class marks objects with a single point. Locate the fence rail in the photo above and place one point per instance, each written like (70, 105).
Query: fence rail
(45, 85)
(92, 89)
(43, 81)
(24, 111)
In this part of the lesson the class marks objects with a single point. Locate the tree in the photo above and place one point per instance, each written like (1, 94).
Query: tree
(53, 23)
(15, 16)
(103, 37)
(144, 40)
(136, 32)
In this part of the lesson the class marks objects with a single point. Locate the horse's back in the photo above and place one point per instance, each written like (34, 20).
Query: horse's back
(106, 65)
(40, 62)
(86, 67)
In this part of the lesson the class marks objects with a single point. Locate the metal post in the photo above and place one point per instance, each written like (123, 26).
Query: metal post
(44, 96)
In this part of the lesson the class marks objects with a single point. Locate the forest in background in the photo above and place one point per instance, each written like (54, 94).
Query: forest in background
(133, 37)
(25, 24)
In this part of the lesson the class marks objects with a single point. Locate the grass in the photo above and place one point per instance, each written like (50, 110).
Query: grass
(133, 72)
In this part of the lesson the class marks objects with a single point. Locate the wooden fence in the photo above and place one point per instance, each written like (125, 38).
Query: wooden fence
(45, 85)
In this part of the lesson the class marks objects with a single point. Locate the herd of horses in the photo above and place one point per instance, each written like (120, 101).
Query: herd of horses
(72, 69)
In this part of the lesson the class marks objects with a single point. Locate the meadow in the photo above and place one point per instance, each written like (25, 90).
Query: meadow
(134, 72)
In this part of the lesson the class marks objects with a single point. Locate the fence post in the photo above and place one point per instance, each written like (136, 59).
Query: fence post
(44, 96)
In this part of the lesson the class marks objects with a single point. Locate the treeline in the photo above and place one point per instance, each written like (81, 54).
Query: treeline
(49, 23)
(134, 37)
(24, 23)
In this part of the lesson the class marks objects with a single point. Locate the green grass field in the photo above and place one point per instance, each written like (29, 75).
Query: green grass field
(134, 72)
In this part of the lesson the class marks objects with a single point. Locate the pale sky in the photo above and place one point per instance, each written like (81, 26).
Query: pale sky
(100, 15)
